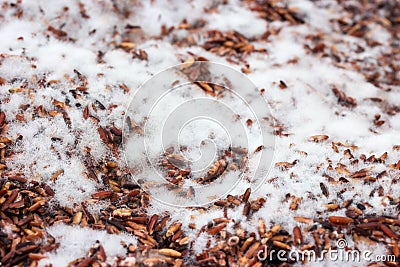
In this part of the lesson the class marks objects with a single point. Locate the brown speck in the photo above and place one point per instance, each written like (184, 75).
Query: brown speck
(282, 85)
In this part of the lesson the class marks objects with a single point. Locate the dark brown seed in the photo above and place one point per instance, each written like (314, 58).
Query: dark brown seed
(259, 148)
(18, 179)
(253, 248)
(161, 224)
(170, 252)
(116, 224)
(297, 236)
(388, 231)
(134, 193)
(37, 205)
(2, 118)
(101, 254)
(94, 119)
(103, 194)
(177, 235)
(56, 32)
(26, 249)
(7, 257)
(177, 161)
(246, 195)
(282, 85)
(221, 203)
(87, 213)
(103, 134)
(319, 138)
(332, 206)
(216, 229)
(99, 105)
(36, 256)
(47, 189)
(124, 87)
(360, 174)
(324, 190)
(25, 220)
(383, 157)
(335, 148)
(86, 112)
(262, 228)
(284, 165)
(116, 131)
(348, 154)
(343, 99)
(152, 223)
(10, 199)
(249, 122)
(340, 220)
(67, 119)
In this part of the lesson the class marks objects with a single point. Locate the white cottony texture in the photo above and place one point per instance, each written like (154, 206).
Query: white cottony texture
(75, 242)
